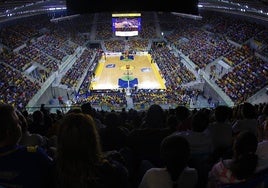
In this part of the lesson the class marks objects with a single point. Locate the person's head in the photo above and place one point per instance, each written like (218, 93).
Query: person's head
(86, 108)
(182, 113)
(200, 120)
(38, 116)
(155, 116)
(112, 119)
(10, 131)
(78, 139)
(175, 153)
(74, 110)
(244, 159)
(223, 113)
(172, 122)
(78, 150)
(248, 110)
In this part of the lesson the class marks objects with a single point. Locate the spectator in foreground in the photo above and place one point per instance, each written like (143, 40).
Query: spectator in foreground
(80, 161)
(20, 166)
(249, 120)
(113, 136)
(28, 139)
(262, 149)
(200, 142)
(144, 142)
(221, 132)
(241, 166)
(183, 115)
(176, 173)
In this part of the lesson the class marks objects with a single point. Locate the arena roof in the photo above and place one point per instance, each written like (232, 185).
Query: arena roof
(14, 8)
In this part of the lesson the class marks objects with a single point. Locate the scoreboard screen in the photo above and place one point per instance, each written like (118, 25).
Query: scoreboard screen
(126, 24)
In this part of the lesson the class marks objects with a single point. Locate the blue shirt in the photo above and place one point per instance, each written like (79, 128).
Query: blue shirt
(22, 166)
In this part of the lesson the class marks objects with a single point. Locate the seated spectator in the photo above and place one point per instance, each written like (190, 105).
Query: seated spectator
(249, 120)
(20, 166)
(241, 167)
(87, 109)
(28, 139)
(198, 137)
(38, 125)
(60, 99)
(80, 161)
(262, 120)
(221, 132)
(262, 149)
(184, 118)
(200, 144)
(144, 142)
(176, 173)
(113, 136)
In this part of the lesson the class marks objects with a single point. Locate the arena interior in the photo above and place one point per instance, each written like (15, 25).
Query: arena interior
(50, 57)
(133, 98)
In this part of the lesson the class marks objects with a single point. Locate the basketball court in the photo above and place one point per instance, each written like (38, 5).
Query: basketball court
(116, 71)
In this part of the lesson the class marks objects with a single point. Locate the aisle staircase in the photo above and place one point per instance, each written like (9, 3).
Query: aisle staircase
(129, 102)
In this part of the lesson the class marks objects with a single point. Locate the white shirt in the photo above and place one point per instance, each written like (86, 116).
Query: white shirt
(160, 178)
(262, 152)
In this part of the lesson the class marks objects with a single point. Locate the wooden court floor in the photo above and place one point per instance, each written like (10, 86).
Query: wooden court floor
(111, 68)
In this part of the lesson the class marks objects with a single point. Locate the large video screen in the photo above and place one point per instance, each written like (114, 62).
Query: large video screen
(126, 24)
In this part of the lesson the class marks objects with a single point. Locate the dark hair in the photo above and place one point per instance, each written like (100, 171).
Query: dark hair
(86, 108)
(248, 110)
(200, 120)
(182, 113)
(38, 115)
(222, 113)
(175, 153)
(9, 122)
(172, 122)
(155, 116)
(22, 121)
(111, 119)
(245, 159)
(78, 151)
